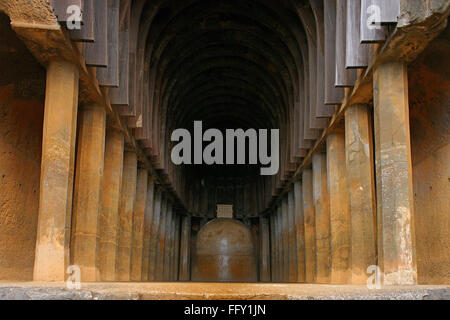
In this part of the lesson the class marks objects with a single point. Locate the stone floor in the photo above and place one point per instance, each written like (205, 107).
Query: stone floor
(215, 291)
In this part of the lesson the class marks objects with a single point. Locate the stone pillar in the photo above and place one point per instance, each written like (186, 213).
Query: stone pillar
(340, 220)
(147, 228)
(86, 198)
(176, 259)
(276, 248)
(285, 234)
(300, 231)
(279, 216)
(273, 266)
(322, 213)
(292, 238)
(138, 225)
(126, 209)
(57, 165)
(161, 242)
(395, 199)
(154, 235)
(87, 204)
(168, 242)
(264, 268)
(172, 244)
(185, 249)
(361, 191)
(109, 217)
(310, 226)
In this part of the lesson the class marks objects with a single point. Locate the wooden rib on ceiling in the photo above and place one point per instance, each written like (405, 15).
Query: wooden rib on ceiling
(290, 59)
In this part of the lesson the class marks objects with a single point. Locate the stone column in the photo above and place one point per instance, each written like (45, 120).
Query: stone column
(57, 165)
(109, 217)
(300, 231)
(395, 197)
(172, 244)
(310, 226)
(292, 239)
(161, 242)
(276, 248)
(176, 262)
(154, 234)
(86, 199)
(87, 191)
(322, 213)
(138, 225)
(147, 228)
(185, 249)
(340, 220)
(361, 191)
(264, 268)
(285, 234)
(273, 266)
(168, 242)
(126, 209)
(280, 257)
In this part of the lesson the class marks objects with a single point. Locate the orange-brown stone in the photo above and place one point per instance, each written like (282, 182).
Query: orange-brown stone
(361, 190)
(126, 209)
(57, 170)
(111, 194)
(87, 188)
(225, 253)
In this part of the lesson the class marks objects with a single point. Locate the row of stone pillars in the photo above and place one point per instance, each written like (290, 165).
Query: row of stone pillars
(353, 208)
(103, 213)
(100, 212)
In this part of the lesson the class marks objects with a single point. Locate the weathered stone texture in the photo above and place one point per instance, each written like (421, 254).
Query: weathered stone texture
(310, 226)
(285, 238)
(57, 170)
(176, 259)
(264, 267)
(87, 191)
(292, 238)
(154, 235)
(416, 11)
(395, 202)
(328, 223)
(167, 242)
(225, 253)
(217, 291)
(20, 160)
(111, 194)
(322, 218)
(361, 190)
(148, 220)
(429, 94)
(279, 251)
(126, 209)
(138, 225)
(161, 240)
(300, 231)
(340, 219)
(33, 11)
(185, 245)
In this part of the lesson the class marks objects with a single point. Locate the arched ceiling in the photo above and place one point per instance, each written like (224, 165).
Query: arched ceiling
(230, 64)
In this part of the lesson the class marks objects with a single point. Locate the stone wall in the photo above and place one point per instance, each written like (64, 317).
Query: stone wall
(21, 116)
(429, 91)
